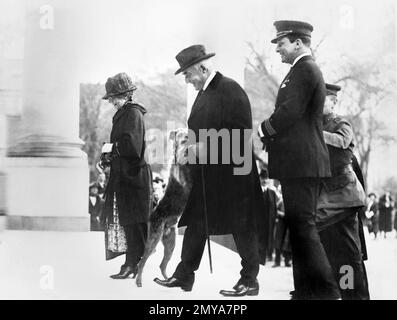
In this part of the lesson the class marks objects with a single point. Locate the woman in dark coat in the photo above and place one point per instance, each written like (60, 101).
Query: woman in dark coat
(386, 205)
(129, 190)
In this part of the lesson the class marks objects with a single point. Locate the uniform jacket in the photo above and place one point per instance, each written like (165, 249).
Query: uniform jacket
(294, 132)
(130, 176)
(233, 201)
(342, 190)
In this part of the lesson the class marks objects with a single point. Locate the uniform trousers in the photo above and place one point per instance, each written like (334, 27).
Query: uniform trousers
(313, 275)
(342, 244)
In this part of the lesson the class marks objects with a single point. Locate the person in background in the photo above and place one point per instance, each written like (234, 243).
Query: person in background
(101, 183)
(341, 197)
(395, 217)
(95, 206)
(158, 189)
(386, 205)
(270, 199)
(372, 215)
(282, 244)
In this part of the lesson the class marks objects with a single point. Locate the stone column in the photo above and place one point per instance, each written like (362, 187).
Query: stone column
(3, 189)
(47, 171)
(10, 103)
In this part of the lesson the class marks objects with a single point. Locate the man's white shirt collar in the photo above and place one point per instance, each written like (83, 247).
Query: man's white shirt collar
(300, 57)
(206, 84)
(93, 200)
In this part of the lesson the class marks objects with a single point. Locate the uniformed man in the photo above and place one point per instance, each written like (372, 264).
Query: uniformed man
(298, 158)
(341, 197)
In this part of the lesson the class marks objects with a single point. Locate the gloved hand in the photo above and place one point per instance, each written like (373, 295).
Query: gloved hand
(107, 147)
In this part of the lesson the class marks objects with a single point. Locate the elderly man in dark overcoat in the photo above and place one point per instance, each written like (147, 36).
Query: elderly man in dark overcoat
(129, 189)
(231, 194)
(341, 197)
(298, 157)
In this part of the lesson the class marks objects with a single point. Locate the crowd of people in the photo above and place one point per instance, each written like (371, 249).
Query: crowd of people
(379, 215)
(307, 206)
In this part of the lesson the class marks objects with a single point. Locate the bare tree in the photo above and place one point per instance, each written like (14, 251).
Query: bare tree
(268, 86)
(366, 88)
(91, 125)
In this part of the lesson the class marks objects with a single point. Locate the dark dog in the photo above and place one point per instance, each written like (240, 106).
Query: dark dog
(166, 214)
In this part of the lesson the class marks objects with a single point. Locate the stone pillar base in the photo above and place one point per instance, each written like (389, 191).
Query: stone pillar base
(3, 222)
(47, 193)
(48, 223)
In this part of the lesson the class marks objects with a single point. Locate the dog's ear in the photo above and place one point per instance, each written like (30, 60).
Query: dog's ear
(172, 135)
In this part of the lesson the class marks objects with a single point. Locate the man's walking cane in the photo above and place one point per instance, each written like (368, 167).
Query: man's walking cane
(206, 217)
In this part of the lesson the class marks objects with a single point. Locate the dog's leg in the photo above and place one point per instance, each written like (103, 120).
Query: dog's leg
(150, 246)
(168, 240)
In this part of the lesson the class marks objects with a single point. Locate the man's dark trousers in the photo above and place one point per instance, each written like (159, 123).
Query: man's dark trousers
(193, 247)
(313, 276)
(342, 244)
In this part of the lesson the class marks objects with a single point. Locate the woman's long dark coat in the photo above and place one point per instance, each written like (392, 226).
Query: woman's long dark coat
(234, 202)
(130, 176)
(385, 215)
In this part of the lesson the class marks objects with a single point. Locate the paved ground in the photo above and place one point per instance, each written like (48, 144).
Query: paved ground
(57, 265)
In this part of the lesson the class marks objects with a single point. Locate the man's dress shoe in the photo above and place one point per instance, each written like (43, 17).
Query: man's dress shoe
(256, 284)
(297, 296)
(175, 283)
(125, 272)
(241, 290)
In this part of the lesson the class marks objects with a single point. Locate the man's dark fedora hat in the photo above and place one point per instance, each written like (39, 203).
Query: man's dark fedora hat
(190, 56)
(286, 27)
(332, 89)
(119, 84)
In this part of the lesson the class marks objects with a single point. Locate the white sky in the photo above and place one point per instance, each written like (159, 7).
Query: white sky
(142, 37)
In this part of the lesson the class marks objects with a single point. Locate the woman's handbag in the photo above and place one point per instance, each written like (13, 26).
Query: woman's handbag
(117, 241)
